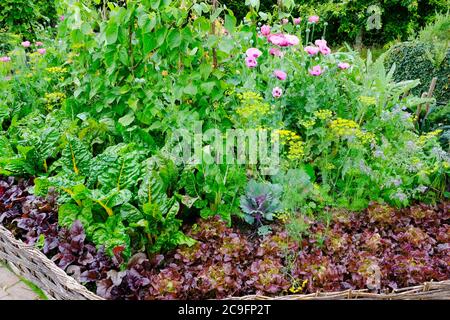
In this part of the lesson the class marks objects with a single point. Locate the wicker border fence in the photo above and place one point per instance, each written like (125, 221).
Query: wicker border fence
(33, 265)
(30, 263)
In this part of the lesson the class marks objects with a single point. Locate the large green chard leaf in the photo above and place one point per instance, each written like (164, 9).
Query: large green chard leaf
(111, 234)
(130, 213)
(10, 163)
(15, 166)
(153, 189)
(76, 157)
(74, 186)
(159, 210)
(5, 148)
(69, 212)
(47, 145)
(118, 167)
(23, 163)
(112, 199)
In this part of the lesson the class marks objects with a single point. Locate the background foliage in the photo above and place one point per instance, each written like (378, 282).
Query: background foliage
(346, 19)
(26, 17)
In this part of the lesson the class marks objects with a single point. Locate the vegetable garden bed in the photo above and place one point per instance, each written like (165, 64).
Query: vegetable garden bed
(304, 171)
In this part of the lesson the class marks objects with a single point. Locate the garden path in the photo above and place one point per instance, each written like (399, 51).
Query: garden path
(12, 288)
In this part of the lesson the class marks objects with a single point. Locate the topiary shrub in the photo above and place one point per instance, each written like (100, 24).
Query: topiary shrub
(419, 60)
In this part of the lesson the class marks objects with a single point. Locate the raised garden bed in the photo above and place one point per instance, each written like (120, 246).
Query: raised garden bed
(156, 150)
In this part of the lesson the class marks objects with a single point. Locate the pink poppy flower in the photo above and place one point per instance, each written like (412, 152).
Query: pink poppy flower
(292, 40)
(278, 40)
(41, 51)
(283, 40)
(265, 30)
(251, 62)
(253, 52)
(325, 50)
(321, 43)
(284, 21)
(5, 59)
(277, 92)
(26, 44)
(316, 71)
(311, 50)
(62, 18)
(280, 74)
(313, 19)
(297, 20)
(38, 44)
(343, 65)
(275, 52)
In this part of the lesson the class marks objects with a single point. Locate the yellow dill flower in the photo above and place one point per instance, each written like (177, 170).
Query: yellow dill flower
(323, 114)
(344, 128)
(308, 123)
(428, 136)
(330, 166)
(54, 99)
(282, 216)
(286, 135)
(365, 137)
(293, 142)
(252, 107)
(229, 92)
(78, 45)
(298, 286)
(368, 101)
(296, 150)
(56, 70)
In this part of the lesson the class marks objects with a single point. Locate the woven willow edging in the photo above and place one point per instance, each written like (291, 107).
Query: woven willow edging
(427, 291)
(33, 265)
